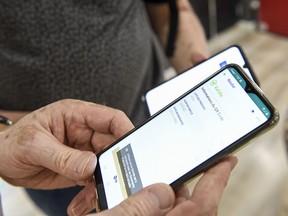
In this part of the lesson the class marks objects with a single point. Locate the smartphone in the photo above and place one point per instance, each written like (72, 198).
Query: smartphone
(207, 123)
(160, 96)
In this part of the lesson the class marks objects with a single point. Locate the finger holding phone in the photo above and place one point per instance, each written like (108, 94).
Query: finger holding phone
(160, 199)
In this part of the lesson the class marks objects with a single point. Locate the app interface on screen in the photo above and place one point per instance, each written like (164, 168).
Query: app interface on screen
(165, 93)
(188, 133)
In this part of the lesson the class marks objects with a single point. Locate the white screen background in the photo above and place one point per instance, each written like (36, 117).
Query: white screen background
(186, 134)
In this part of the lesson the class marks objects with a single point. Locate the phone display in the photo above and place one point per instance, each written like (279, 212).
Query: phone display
(210, 121)
(168, 91)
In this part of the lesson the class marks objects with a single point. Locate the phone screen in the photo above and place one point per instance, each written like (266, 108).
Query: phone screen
(182, 136)
(165, 93)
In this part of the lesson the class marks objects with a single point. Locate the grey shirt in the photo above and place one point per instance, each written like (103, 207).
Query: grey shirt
(102, 51)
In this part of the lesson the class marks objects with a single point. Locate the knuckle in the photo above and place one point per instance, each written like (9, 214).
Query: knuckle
(121, 113)
(62, 160)
(132, 208)
(136, 206)
(213, 210)
(208, 210)
(27, 134)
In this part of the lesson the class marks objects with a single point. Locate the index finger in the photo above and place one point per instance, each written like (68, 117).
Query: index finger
(208, 191)
(105, 119)
(211, 185)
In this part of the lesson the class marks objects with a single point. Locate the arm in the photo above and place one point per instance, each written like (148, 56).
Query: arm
(191, 45)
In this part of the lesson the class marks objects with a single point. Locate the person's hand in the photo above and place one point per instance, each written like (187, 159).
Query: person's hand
(54, 146)
(160, 199)
(190, 46)
(207, 193)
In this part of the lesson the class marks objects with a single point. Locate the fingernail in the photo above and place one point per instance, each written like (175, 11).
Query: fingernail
(198, 58)
(78, 210)
(86, 164)
(162, 196)
(234, 161)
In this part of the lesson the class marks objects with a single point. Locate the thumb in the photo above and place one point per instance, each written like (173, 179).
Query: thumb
(198, 57)
(76, 164)
(72, 163)
(156, 199)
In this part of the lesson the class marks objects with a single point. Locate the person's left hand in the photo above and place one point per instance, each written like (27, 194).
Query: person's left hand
(54, 146)
(190, 46)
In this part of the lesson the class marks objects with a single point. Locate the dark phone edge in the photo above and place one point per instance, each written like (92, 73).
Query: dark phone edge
(247, 65)
(101, 201)
(238, 144)
(274, 118)
(230, 150)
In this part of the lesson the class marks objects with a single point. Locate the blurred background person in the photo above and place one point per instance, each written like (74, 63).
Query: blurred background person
(104, 51)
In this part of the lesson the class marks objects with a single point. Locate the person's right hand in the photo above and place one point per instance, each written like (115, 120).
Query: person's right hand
(54, 146)
(160, 199)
